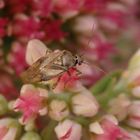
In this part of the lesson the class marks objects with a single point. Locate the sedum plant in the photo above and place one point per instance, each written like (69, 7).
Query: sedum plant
(109, 110)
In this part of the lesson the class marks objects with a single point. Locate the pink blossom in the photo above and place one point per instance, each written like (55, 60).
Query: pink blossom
(66, 5)
(111, 131)
(16, 6)
(16, 57)
(134, 135)
(29, 103)
(27, 27)
(3, 23)
(7, 87)
(115, 17)
(94, 5)
(42, 8)
(69, 80)
(2, 4)
(53, 29)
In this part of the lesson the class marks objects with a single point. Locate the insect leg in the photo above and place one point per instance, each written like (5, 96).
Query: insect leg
(78, 72)
(59, 78)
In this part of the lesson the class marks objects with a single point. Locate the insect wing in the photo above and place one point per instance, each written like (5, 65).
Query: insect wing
(45, 68)
(51, 58)
(32, 74)
(51, 66)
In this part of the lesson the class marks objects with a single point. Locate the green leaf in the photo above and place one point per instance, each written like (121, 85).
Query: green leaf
(103, 84)
(108, 94)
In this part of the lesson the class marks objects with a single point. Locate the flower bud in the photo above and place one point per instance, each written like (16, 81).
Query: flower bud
(135, 61)
(30, 126)
(134, 70)
(58, 110)
(10, 129)
(110, 130)
(119, 106)
(68, 130)
(134, 135)
(30, 136)
(134, 114)
(96, 128)
(84, 104)
(136, 91)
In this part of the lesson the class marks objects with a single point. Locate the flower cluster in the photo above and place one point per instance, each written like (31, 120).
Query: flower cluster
(54, 102)
(109, 110)
(95, 28)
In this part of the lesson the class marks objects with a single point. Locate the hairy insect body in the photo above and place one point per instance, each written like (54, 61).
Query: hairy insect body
(52, 65)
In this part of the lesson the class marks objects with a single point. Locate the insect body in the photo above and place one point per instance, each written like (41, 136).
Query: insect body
(52, 65)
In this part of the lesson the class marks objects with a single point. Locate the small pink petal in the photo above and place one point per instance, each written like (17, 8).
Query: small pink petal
(67, 135)
(3, 131)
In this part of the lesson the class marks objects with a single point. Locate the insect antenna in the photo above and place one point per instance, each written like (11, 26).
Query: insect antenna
(88, 44)
(97, 67)
(90, 38)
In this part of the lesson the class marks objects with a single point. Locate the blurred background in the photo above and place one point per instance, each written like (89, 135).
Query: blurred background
(105, 32)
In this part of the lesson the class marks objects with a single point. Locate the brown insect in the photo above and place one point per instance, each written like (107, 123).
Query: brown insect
(52, 65)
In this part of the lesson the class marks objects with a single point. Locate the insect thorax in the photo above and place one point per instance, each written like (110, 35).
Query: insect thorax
(68, 59)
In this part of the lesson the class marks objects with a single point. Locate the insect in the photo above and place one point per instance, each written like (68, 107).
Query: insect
(52, 65)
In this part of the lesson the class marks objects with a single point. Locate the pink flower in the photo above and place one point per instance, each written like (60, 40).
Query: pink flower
(16, 57)
(134, 135)
(53, 29)
(7, 87)
(3, 23)
(30, 102)
(27, 28)
(111, 131)
(42, 8)
(65, 6)
(117, 17)
(16, 6)
(113, 17)
(2, 4)
(94, 5)
(69, 80)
